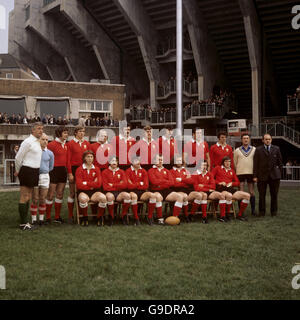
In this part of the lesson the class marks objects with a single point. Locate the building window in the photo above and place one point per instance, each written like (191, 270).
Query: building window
(57, 108)
(9, 75)
(95, 106)
(2, 153)
(12, 106)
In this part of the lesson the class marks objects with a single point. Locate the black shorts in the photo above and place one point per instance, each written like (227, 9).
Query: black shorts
(89, 193)
(74, 168)
(164, 193)
(139, 193)
(208, 193)
(185, 190)
(29, 177)
(223, 188)
(115, 193)
(246, 177)
(58, 175)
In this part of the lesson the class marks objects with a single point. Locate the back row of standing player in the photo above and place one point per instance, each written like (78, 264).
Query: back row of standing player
(70, 155)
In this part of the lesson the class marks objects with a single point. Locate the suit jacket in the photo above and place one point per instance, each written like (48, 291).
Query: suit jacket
(267, 164)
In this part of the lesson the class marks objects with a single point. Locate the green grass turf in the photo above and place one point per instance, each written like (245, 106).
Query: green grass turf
(191, 261)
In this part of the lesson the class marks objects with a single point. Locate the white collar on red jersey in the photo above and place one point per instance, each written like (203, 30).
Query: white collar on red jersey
(121, 137)
(85, 167)
(178, 169)
(166, 139)
(198, 142)
(78, 141)
(159, 169)
(132, 168)
(62, 143)
(220, 145)
(200, 172)
(225, 168)
(113, 170)
(152, 140)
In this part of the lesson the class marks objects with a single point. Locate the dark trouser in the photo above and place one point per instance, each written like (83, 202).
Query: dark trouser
(262, 189)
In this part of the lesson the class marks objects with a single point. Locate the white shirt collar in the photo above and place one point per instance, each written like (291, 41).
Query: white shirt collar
(198, 142)
(85, 167)
(200, 172)
(219, 145)
(113, 170)
(80, 141)
(178, 169)
(155, 167)
(132, 168)
(33, 137)
(147, 141)
(166, 139)
(225, 168)
(58, 140)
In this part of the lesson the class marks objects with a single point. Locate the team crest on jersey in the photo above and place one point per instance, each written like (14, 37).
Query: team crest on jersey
(85, 146)
(94, 173)
(119, 176)
(227, 149)
(140, 174)
(165, 172)
(207, 178)
(231, 172)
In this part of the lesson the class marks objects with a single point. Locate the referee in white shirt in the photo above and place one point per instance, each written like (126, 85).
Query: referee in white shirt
(28, 161)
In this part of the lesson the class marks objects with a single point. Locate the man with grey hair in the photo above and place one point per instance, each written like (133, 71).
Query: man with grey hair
(28, 160)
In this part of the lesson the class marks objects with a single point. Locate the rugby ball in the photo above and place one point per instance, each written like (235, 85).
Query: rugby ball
(172, 221)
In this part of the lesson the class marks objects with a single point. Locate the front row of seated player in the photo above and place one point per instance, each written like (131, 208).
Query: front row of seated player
(155, 186)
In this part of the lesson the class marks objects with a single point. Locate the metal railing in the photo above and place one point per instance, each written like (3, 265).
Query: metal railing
(276, 130)
(189, 88)
(290, 173)
(203, 110)
(170, 45)
(293, 105)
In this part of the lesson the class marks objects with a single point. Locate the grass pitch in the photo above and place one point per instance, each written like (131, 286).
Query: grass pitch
(236, 260)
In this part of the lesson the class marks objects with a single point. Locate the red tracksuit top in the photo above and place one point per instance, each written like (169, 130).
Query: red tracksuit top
(145, 150)
(181, 173)
(137, 180)
(196, 151)
(88, 179)
(222, 175)
(121, 148)
(60, 151)
(217, 153)
(75, 152)
(160, 179)
(102, 151)
(167, 148)
(117, 178)
(206, 180)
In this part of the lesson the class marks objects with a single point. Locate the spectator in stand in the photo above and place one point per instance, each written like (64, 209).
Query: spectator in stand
(81, 121)
(288, 165)
(298, 92)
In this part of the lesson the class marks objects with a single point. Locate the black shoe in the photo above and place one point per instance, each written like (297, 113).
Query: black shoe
(160, 222)
(137, 222)
(124, 221)
(222, 219)
(42, 223)
(242, 218)
(150, 221)
(110, 221)
(70, 221)
(228, 218)
(274, 214)
(191, 218)
(254, 214)
(47, 222)
(35, 223)
(205, 221)
(59, 220)
(262, 214)
(100, 222)
(186, 219)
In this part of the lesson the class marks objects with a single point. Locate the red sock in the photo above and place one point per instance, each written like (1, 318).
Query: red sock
(134, 208)
(57, 207)
(111, 208)
(151, 207)
(42, 210)
(186, 208)
(83, 208)
(203, 208)
(101, 210)
(222, 205)
(243, 206)
(125, 207)
(177, 209)
(94, 208)
(33, 210)
(48, 209)
(70, 207)
(228, 206)
(159, 210)
(195, 206)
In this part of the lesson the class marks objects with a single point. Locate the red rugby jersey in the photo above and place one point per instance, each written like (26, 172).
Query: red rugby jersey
(207, 180)
(167, 148)
(218, 152)
(196, 151)
(117, 178)
(137, 179)
(122, 146)
(182, 174)
(160, 179)
(88, 179)
(223, 175)
(102, 153)
(60, 151)
(75, 152)
(145, 150)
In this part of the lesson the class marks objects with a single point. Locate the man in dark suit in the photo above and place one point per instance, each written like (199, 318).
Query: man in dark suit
(267, 171)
